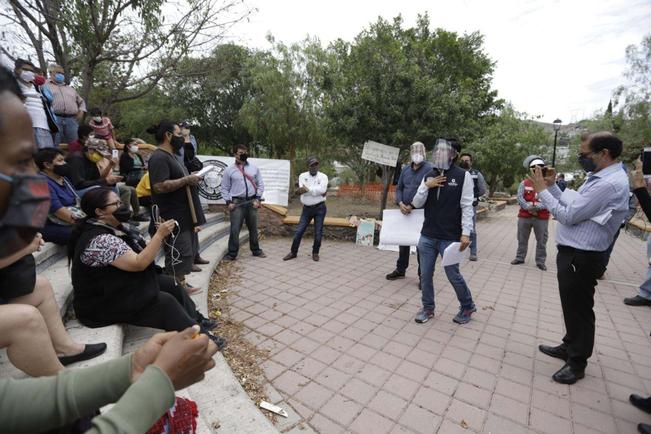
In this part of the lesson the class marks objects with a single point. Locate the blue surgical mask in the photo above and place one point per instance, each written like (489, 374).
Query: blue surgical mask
(59, 77)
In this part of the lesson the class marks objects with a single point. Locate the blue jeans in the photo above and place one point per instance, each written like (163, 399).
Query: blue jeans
(43, 138)
(67, 130)
(645, 287)
(473, 234)
(316, 212)
(429, 249)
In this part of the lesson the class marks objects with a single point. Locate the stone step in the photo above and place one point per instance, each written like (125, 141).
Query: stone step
(221, 400)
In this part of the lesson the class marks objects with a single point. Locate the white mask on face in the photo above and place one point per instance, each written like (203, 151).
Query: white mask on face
(417, 158)
(417, 152)
(97, 119)
(133, 149)
(27, 76)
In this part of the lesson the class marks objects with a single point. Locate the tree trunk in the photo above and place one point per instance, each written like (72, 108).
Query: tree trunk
(292, 169)
(387, 177)
(492, 184)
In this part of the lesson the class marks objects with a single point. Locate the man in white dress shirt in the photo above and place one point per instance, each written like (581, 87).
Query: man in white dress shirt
(312, 186)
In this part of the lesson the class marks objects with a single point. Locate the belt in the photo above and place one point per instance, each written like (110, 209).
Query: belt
(315, 205)
(61, 115)
(563, 248)
(243, 198)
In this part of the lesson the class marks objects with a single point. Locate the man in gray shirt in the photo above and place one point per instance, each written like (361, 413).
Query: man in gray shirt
(242, 189)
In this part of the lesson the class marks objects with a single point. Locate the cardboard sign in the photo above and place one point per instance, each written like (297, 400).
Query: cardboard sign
(365, 232)
(381, 154)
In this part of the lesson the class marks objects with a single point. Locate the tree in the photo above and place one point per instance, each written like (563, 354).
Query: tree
(283, 109)
(120, 48)
(504, 144)
(396, 86)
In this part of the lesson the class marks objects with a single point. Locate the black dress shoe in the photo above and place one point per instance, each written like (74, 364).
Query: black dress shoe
(567, 375)
(315, 257)
(640, 402)
(644, 428)
(395, 274)
(516, 262)
(289, 256)
(90, 352)
(195, 268)
(260, 254)
(208, 324)
(200, 261)
(559, 352)
(542, 267)
(637, 301)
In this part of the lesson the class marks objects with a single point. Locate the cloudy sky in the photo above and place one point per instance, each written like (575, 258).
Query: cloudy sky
(555, 58)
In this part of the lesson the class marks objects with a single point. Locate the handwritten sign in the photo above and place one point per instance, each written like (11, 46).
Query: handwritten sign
(381, 154)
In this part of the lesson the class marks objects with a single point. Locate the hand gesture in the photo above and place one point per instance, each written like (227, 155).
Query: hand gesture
(465, 242)
(192, 180)
(434, 182)
(36, 244)
(145, 355)
(405, 209)
(636, 176)
(231, 206)
(186, 357)
(301, 190)
(256, 203)
(165, 228)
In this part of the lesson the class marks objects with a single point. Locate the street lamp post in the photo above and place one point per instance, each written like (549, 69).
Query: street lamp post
(557, 127)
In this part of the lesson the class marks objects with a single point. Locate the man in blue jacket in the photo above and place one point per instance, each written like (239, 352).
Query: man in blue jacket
(408, 183)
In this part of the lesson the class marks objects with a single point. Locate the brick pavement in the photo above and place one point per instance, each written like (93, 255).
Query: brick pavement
(347, 356)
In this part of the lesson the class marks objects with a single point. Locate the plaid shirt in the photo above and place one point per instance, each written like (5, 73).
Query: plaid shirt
(66, 100)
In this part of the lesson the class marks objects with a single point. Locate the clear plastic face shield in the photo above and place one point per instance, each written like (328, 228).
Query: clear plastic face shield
(417, 152)
(443, 154)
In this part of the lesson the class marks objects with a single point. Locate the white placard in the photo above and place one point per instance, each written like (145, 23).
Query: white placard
(275, 176)
(399, 229)
(452, 255)
(381, 154)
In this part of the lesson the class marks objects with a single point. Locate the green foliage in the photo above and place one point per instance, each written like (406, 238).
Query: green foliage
(503, 145)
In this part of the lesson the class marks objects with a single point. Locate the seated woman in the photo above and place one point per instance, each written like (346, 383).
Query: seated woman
(64, 202)
(30, 324)
(114, 276)
(132, 165)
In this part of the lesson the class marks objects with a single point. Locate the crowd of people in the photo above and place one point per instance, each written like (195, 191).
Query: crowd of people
(74, 184)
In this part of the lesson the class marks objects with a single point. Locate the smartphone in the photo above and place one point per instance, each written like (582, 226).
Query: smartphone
(646, 161)
(115, 153)
(544, 172)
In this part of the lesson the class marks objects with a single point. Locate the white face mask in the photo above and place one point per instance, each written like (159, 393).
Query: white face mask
(133, 149)
(417, 158)
(97, 119)
(27, 76)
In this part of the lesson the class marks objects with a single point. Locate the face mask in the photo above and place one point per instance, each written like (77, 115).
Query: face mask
(95, 157)
(122, 214)
(464, 165)
(587, 164)
(133, 149)
(314, 171)
(26, 214)
(97, 119)
(39, 80)
(177, 143)
(243, 157)
(61, 169)
(59, 77)
(27, 76)
(417, 158)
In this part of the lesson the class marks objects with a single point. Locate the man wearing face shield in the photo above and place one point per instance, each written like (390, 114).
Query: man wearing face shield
(446, 194)
(408, 183)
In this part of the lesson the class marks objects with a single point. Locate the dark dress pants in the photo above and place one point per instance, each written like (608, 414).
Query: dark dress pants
(316, 212)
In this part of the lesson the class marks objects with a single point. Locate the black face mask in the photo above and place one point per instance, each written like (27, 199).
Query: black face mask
(464, 165)
(122, 214)
(587, 164)
(26, 214)
(243, 157)
(177, 143)
(314, 171)
(61, 169)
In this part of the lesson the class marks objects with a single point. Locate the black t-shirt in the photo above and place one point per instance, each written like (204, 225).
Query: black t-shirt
(163, 166)
(83, 172)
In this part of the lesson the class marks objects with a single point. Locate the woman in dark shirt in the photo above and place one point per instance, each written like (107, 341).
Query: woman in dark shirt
(114, 277)
(132, 166)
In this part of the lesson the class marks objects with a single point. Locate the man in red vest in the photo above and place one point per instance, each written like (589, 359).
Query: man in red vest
(532, 214)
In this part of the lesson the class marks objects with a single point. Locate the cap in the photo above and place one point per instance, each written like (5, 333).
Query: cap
(536, 162)
(527, 161)
(312, 160)
(99, 145)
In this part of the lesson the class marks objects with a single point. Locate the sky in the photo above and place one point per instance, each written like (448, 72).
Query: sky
(554, 58)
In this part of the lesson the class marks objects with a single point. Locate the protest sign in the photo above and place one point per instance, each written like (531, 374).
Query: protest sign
(381, 154)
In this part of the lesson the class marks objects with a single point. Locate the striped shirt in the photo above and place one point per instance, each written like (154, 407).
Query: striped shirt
(602, 192)
(66, 100)
(235, 184)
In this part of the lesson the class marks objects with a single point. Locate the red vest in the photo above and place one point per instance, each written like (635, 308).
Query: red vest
(530, 195)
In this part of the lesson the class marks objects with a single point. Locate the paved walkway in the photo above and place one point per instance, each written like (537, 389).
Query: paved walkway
(347, 356)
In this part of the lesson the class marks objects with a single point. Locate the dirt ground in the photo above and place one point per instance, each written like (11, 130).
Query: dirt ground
(344, 207)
